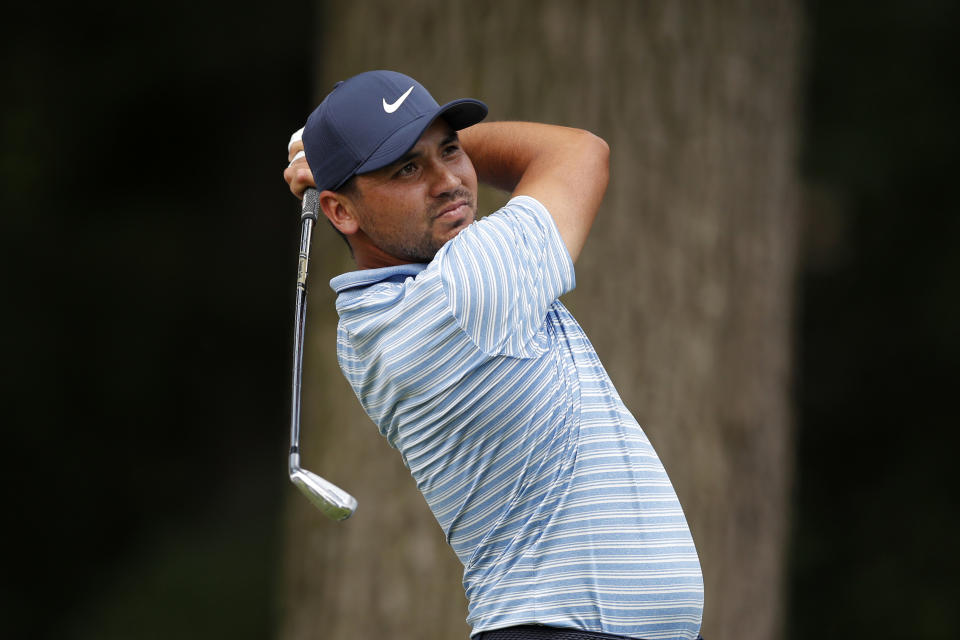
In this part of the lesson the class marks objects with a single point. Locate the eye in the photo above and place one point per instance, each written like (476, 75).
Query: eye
(406, 170)
(451, 149)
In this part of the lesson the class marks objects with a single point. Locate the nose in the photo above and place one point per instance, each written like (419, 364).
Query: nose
(445, 180)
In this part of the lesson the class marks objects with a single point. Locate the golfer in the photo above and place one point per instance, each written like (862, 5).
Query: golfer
(454, 340)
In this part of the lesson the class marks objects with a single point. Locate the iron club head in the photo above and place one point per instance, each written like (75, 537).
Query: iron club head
(334, 502)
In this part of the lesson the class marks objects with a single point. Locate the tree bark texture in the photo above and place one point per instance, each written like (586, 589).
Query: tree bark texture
(685, 286)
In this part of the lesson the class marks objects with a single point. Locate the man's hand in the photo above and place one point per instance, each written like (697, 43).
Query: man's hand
(297, 174)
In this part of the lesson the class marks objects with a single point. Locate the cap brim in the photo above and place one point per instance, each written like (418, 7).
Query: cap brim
(463, 112)
(460, 114)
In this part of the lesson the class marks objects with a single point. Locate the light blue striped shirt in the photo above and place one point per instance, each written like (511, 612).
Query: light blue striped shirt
(545, 485)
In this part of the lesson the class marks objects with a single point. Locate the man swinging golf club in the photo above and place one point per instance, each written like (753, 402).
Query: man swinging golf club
(453, 338)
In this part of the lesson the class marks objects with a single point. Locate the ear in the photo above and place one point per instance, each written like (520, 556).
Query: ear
(339, 211)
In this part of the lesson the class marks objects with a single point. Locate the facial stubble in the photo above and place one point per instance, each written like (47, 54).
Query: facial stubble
(420, 247)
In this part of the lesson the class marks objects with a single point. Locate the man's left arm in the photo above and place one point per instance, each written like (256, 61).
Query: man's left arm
(565, 169)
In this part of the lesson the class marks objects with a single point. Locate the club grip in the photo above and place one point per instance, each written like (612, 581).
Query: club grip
(311, 204)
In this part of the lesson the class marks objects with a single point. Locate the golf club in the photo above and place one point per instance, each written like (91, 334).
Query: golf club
(333, 501)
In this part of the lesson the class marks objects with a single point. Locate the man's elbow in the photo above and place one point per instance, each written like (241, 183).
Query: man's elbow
(599, 146)
(595, 156)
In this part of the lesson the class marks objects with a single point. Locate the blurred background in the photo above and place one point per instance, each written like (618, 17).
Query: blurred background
(149, 253)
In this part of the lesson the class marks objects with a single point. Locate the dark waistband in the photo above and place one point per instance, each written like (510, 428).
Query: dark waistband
(537, 632)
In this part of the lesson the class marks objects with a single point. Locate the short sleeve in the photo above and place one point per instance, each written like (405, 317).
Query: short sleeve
(501, 274)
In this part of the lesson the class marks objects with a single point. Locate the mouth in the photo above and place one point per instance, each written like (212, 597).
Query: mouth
(454, 210)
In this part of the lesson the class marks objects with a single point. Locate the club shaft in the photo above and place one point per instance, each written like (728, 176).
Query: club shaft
(326, 496)
(299, 325)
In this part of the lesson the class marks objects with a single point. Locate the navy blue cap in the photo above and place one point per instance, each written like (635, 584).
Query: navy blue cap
(372, 120)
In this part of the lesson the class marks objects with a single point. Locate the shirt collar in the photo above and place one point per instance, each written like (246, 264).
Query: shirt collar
(366, 277)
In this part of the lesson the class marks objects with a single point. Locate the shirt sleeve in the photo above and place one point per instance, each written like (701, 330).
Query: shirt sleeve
(501, 274)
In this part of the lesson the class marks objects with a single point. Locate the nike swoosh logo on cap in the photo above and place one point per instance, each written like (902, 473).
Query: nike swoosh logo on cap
(390, 108)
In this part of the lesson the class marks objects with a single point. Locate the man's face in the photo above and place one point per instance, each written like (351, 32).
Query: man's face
(411, 208)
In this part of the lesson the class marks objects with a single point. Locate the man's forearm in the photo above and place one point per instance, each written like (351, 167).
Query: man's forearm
(502, 152)
(566, 169)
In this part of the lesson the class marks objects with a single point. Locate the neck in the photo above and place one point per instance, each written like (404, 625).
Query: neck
(369, 256)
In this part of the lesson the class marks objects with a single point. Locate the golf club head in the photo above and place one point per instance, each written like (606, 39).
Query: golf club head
(334, 502)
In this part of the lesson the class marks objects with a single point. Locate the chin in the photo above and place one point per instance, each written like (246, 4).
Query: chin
(448, 236)
(460, 226)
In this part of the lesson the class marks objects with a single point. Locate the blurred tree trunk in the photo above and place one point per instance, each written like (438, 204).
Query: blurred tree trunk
(685, 287)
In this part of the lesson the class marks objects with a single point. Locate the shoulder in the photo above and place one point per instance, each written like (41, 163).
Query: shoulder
(521, 212)
(381, 299)
(522, 223)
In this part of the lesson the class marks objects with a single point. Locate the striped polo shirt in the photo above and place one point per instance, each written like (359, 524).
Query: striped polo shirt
(543, 482)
